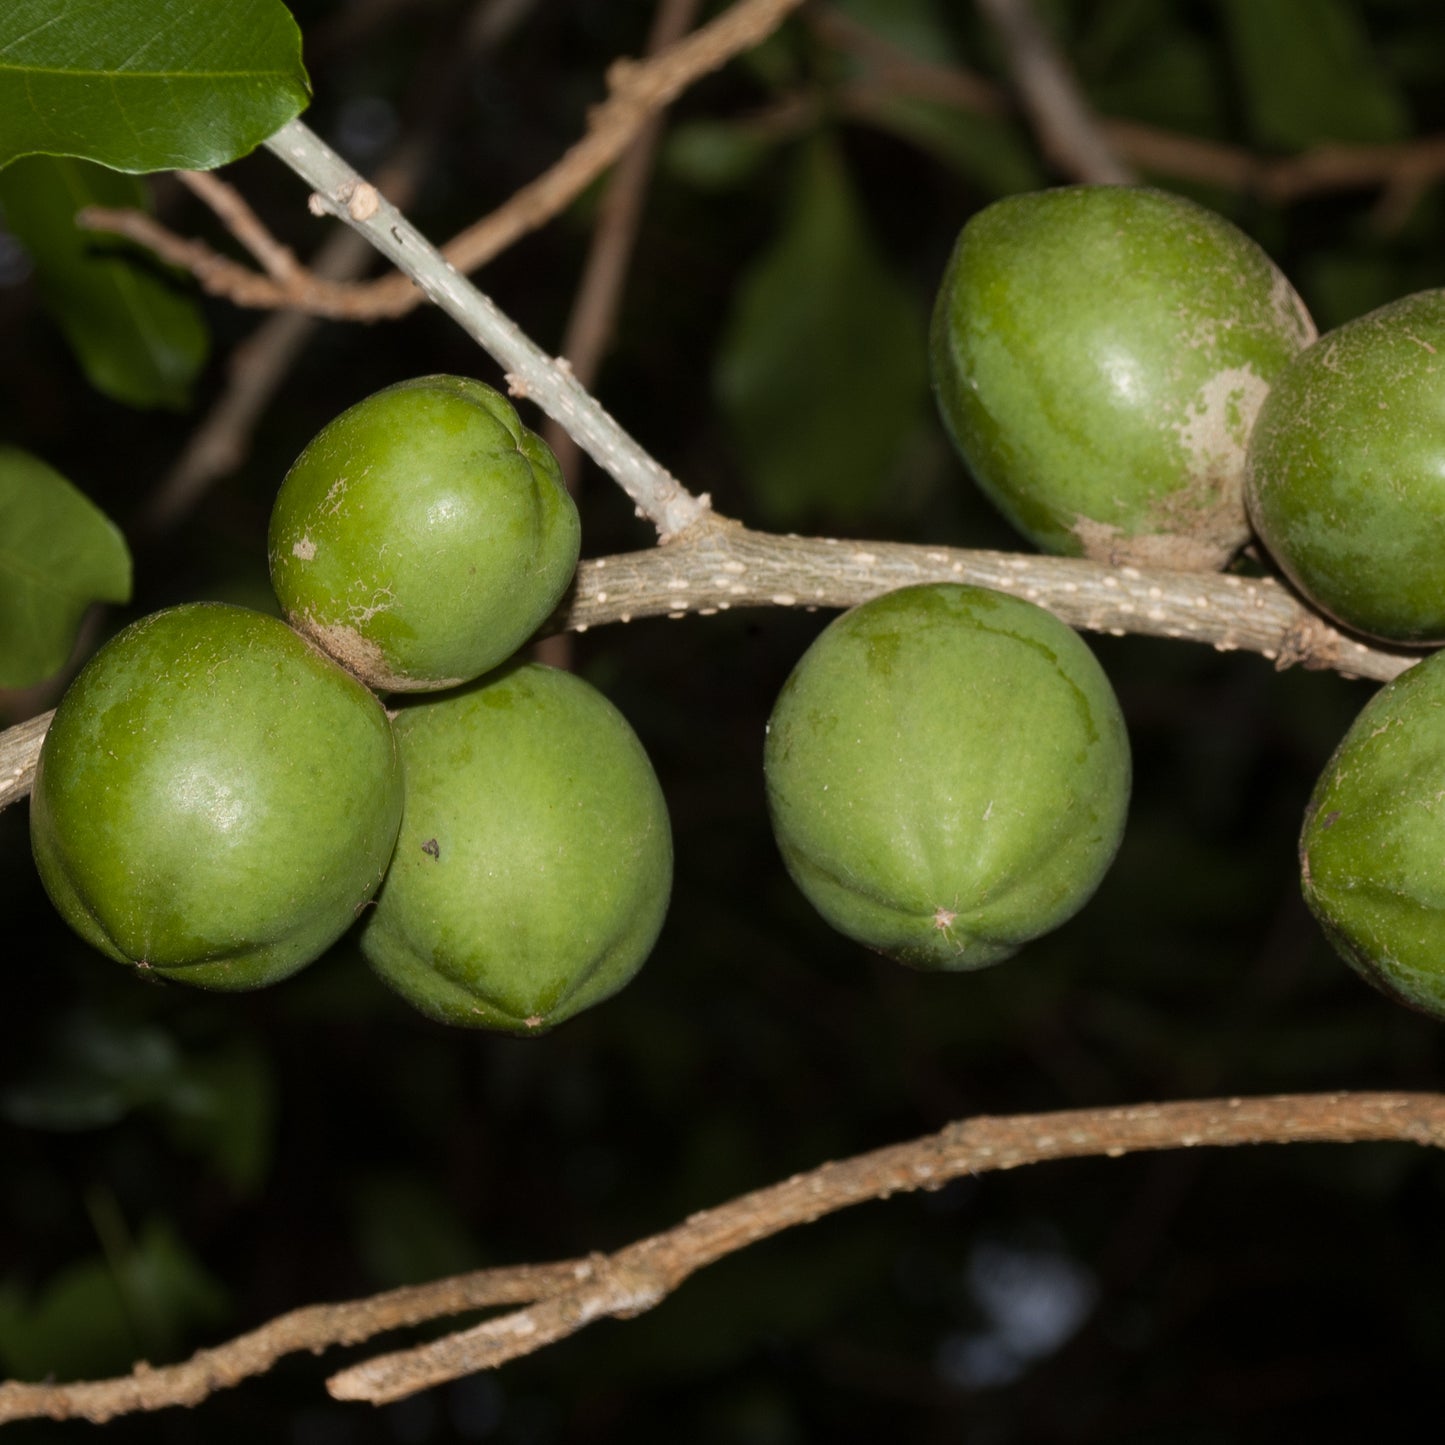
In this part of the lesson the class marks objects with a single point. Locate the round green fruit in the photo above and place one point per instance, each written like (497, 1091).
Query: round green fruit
(948, 774)
(423, 535)
(1346, 476)
(1374, 839)
(534, 865)
(215, 800)
(1099, 354)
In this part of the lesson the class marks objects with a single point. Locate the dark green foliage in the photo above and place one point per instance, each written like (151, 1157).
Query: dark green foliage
(137, 335)
(184, 84)
(315, 1141)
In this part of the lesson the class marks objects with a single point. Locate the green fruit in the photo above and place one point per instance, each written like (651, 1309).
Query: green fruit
(215, 800)
(948, 774)
(1374, 839)
(535, 859)
(423, 535)
(1099, 354)
(1346, 478)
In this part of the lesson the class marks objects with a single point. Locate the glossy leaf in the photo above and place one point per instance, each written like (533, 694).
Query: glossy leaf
(137, 337)
(58, 554)
(147, 85)
(822, 372)
(1309, 76)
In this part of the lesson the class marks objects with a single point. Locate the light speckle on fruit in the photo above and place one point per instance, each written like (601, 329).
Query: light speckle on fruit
(1099, 353)
(440, 531)
(362, 658)
(1217, 420)
(1285, 303)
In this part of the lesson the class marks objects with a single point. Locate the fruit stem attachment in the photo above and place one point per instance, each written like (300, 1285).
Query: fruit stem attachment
(340, 191)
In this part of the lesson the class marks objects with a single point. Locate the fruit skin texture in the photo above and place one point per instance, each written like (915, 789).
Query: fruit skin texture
(423, 535)
(948, 774)
(1099, 354)
(215, 799)
(1374, 836)
(1346, 475)
(534, 865)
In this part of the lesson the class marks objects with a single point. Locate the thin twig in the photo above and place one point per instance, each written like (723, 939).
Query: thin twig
(1066, 126)
(340, 191)
(892, 74)
(640, 1276)
(561, 1298)
(725, 565)
(19, 752)
(637, 90)
(312, 1327)
(278, 261)
(258, 365)
(604, 274)
(594, 309)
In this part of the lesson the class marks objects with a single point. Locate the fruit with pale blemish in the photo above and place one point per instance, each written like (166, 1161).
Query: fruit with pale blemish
(423, 535)
(534, 865)
(947, 774)
(1373, 841)
(1099, 354)
(1346, 478)
(215, 800)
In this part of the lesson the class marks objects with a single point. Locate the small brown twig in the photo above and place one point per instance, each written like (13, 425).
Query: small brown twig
(891, 73)
(259, 364)
(640, 1276)
(1067, 129)
(599, 293)
(231, 207)
(559, 1299)
(636, 91)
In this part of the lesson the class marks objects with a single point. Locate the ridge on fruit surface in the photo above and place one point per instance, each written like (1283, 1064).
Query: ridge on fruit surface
(947, 774)
(215, 799)
(534, 865)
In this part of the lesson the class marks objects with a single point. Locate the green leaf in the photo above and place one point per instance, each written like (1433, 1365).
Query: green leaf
(1309, 75)
(96, 1315)
(822, 372)
(222, 1108)
(147, 85)
(100, 1070)
(912, 25)
(138, 338)
(217, 1102)
(714, 155)
(58, 554)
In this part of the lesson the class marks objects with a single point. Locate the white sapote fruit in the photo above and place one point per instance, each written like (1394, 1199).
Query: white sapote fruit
(534, 865)
(1346, 475)
(215, 800)
(948, 774)
(1099, 354)
(1373, 841)
(423, 535)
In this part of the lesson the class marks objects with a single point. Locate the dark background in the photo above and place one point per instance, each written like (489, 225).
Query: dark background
(177, 1167)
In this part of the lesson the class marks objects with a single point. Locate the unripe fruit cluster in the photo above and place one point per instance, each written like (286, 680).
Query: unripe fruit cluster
(947, 768)
(218, 799)
(1130, 378)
